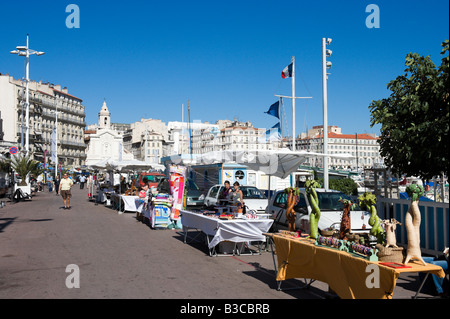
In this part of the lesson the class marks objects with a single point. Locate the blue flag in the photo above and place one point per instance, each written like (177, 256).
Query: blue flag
(274, 110)
(274, 133)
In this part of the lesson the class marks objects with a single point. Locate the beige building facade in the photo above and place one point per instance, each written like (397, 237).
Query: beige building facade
(45, 99)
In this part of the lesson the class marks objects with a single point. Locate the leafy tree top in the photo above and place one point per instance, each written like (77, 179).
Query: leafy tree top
(414, 119)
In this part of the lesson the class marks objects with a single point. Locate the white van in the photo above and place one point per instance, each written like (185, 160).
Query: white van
(330, 207)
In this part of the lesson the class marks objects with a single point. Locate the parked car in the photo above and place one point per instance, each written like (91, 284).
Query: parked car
(153, 178)
(253, 198)
(194, 196)
(330, 207)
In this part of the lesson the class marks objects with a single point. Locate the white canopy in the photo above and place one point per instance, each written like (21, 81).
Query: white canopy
(133, 165)
(280, 163)
(130, 165)
(103, 164)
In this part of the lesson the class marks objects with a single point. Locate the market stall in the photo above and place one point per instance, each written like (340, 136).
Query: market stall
(346, 273)
(162, 210)
(121, 192)
(223, 228)
(159, 211)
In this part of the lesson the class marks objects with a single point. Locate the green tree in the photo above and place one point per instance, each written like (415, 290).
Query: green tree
(414, 119)
(36, 169)
(345, 185)
(23, 165)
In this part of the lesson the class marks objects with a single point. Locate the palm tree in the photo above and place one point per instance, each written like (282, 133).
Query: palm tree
(23, 165)
(4, 166)
(37, 169)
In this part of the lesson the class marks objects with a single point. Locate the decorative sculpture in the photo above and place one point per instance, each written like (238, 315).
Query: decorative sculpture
(314, 217)
(390, 226)
(345, 226)
(292, 196)
(368, 201)
(412, 223)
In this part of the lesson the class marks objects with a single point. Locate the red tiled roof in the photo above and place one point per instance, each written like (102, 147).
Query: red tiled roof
(363, 136)
(67, 94)
(44, 93)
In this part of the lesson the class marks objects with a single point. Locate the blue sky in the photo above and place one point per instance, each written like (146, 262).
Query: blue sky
(147, 58)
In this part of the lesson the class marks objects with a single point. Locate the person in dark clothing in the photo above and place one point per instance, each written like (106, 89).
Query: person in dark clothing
(226, 194)
(57, 184)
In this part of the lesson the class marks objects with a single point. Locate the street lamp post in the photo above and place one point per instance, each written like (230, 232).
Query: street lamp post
(26, 52)
(56, 138)
(325, 65)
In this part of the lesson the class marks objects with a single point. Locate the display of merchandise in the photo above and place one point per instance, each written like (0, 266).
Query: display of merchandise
(347, 246)
(177, 184)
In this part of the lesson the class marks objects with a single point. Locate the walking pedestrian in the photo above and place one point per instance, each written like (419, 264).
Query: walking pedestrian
(50, 184)
(57, 181)
(82, 181)
(64, 189)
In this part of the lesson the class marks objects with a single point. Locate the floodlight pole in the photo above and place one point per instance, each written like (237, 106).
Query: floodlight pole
(26, 51)
(325, 66)
(27, 101)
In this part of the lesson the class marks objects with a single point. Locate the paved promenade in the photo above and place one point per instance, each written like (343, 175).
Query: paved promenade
(119, 257)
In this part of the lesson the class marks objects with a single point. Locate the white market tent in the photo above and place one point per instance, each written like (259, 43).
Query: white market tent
(133, 165)
(125, 166)
(280, 163)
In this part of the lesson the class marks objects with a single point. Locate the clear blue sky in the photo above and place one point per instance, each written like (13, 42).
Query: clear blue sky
(147, 58)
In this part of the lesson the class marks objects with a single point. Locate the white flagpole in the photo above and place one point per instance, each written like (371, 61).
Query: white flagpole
(325, 114)
(293, 103)
(281, 117)
(182, 130)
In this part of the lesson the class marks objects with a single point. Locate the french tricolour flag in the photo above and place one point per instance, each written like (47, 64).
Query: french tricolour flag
(287, 72)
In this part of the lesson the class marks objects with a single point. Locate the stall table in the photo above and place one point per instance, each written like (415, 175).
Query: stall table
(233, 230)
(345, 273)
(127, 203)
(104, 196)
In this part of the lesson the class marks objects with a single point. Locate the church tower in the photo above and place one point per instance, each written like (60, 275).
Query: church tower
(104, 117)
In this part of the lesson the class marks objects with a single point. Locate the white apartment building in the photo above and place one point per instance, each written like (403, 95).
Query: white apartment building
(44, 99)
(231, 135)
(364, 147)
(148, 140)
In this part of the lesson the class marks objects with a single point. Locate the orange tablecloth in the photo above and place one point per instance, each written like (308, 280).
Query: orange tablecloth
(344, 273)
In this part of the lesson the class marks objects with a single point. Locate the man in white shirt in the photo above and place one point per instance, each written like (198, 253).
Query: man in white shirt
(82, 181)
(64, 189)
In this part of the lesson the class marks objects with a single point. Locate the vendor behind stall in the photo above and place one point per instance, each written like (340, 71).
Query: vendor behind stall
(226, 194)
(238, 198)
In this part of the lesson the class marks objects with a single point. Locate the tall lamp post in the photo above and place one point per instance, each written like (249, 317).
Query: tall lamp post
(325, 65)
(55, 151)
(26, 52)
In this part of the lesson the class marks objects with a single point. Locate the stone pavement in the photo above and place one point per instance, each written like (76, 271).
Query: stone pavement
(119, 257)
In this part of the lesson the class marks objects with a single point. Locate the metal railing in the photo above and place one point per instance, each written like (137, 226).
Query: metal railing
(434, 227)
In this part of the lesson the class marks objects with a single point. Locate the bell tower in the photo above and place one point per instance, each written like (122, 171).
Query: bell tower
(104, 117)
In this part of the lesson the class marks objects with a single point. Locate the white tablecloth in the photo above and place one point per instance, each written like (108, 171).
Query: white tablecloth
(130, 204)
(235, 230)
(102, 194)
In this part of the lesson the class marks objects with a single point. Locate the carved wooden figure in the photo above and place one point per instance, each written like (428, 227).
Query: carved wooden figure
(390, 226)
(345, 226)
(412, 223)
